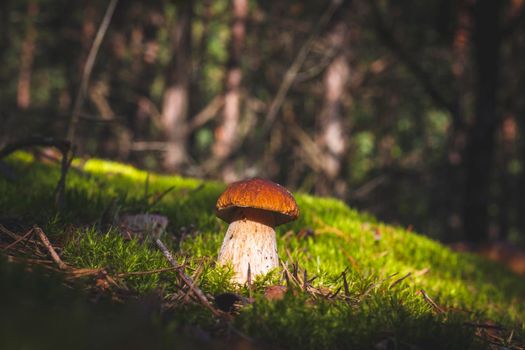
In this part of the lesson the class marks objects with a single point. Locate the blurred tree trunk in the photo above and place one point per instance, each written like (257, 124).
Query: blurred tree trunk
(332, 135)
(226, 131)
(200, 81)
(507, 180)
(5, 38)
(5, 71)
(175, 107)
(27, 55)
(482, 132)
(460, 59)
(81, 44)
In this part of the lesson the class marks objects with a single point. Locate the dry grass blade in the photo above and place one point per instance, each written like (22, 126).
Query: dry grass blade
(305, 279)
(422, 272)
(325, 228)
(159, 197)
(345, 284)
(289, 276)
(352, 260)
(399, 280)
(431, 302)
(334, 294)
(376, 284)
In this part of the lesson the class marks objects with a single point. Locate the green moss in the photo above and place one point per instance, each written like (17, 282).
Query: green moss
(373, 254)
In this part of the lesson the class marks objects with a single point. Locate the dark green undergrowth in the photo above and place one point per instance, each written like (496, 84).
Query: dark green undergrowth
(379, 309)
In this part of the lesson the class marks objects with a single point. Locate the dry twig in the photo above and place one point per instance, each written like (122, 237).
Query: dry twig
(186, 279)
(18, 240)
(86, 74)
(50, 249)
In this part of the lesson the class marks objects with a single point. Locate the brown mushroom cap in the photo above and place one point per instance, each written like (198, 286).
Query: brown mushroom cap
(258, 194)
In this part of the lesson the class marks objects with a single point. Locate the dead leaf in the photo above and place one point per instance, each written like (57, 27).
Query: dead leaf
(141, 225)
(275, 292)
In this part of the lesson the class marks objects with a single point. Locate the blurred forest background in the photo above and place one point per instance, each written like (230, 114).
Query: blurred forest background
(411, 110)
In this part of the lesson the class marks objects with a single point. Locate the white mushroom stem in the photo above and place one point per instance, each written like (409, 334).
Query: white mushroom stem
(249, 243)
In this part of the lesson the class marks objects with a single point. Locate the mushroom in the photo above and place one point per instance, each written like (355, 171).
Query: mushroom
(253, 208)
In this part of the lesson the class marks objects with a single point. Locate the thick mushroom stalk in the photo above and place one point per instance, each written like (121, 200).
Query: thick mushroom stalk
(250, 245)
(253, 208)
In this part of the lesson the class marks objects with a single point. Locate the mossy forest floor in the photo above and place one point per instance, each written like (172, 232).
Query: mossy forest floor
(353, 282)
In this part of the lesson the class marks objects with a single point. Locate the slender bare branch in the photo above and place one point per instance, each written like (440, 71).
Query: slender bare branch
(86, 74)
(186, 279)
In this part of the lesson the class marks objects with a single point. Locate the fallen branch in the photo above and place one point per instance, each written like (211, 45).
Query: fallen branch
(13, 235)
(50, 249)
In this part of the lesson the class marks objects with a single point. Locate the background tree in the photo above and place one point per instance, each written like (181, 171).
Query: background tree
(176, 102)
(411, 111)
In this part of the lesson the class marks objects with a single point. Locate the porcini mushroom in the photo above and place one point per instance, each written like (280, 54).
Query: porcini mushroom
(253, 208)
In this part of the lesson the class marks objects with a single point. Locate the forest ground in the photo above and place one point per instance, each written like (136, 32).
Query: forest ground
(350, 281)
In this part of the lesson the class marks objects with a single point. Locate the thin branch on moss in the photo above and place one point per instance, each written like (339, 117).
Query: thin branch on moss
(50, 249)
(186, 279)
